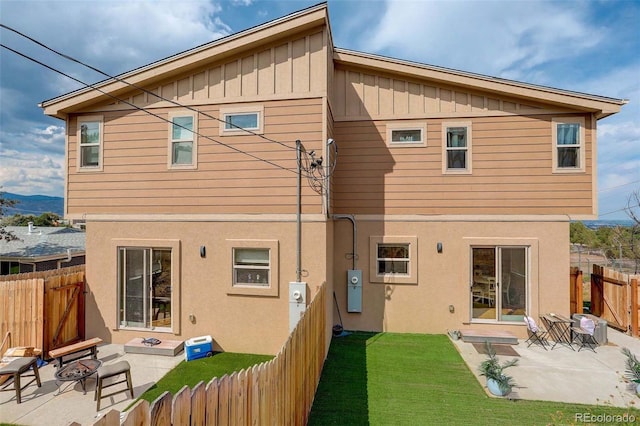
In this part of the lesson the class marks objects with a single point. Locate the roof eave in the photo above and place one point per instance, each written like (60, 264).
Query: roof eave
(600, 105)
(227, 46)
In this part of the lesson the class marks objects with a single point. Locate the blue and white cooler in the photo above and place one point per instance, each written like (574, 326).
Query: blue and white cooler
(198, 347)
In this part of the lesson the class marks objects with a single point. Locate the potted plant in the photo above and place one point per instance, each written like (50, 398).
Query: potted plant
(632, 368)
(498, 382)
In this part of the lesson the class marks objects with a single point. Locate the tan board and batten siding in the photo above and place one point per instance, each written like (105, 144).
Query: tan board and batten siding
(511, 152)
(286, 78)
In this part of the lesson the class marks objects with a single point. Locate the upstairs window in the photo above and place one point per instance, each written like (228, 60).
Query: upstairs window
(241, 120)
(568, 141)
(457, 148)
(182, 142)
(90, 143)
(403, 135)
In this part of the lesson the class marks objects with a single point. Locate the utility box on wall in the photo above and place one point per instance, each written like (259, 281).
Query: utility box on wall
(297, 302)
(354, 290)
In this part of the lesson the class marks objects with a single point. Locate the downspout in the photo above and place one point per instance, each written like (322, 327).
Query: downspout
(67, 260)
(355, 235)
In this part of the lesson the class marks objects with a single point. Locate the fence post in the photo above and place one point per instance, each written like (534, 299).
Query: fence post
(579, 292)
(634, 307)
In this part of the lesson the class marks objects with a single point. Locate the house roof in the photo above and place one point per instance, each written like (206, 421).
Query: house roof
(44, 243)
(308, 18)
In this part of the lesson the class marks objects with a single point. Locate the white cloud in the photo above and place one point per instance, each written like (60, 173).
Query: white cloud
(497, 38)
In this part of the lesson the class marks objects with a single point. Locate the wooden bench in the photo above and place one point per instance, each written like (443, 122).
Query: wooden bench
(78, 350)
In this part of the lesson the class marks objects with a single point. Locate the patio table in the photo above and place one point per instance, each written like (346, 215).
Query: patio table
(559, 328)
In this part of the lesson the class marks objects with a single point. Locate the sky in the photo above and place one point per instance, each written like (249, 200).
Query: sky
(585, 46)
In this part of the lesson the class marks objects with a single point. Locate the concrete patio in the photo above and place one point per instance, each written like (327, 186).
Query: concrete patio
(565, 375)
(41, 405)
(560, 374)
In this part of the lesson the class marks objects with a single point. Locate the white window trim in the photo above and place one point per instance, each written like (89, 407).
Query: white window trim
(231, 110)
(274, 274)
(468, 169)
(582, 145)
(391, 127)
(411, 277)
(194, 149)
(79, 166)
(174, 245)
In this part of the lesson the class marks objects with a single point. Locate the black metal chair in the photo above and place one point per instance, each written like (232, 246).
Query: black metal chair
(17, 369)
(536, 333)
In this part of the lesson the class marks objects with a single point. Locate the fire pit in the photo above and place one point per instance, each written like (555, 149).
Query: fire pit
(77, 371)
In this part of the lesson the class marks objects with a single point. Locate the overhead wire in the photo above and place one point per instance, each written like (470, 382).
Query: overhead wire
(147, 111)
(147, 91)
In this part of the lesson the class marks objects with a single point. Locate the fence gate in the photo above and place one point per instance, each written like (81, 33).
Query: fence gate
(610, 297)
(64, 310)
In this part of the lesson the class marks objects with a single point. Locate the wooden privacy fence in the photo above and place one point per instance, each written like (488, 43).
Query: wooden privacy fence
(575, 291)
(43, 309)
(614, 298)
(278, 392)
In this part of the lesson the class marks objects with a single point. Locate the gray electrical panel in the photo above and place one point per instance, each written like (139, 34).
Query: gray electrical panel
(354, 290)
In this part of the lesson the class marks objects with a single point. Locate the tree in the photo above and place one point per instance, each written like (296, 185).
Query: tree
(580, 234)
(633, 211)
(45, 219)
(4, 204)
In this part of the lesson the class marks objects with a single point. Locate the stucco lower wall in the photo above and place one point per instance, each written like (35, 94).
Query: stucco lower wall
(443, 279)
(237, 323)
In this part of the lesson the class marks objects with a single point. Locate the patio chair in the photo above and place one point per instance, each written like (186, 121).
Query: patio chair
(536, 334)
(583, 335)
(17, 369)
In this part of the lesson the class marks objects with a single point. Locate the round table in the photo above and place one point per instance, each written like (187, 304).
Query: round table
(77, 371)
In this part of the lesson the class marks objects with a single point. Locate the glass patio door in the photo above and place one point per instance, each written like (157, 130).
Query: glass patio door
(498, 282)
(145, 287)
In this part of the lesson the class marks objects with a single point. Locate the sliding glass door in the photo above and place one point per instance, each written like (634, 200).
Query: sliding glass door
(499, 283)
(145, 287)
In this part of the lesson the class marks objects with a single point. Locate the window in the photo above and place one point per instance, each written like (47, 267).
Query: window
(406, 135)
(241, 120)
(393, 260)
(90, 143)
(568, 137)
(145, 287)
(456, 148)
(182, 142)
(251, 267)
(8, 268)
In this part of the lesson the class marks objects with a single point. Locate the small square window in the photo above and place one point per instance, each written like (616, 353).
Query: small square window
(393, 259)
(251, 267)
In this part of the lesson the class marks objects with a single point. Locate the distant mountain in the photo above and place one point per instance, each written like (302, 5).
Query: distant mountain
(595, 224)
(34, 204)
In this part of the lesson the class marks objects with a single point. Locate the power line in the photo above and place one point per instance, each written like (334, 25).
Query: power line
(147, 111)
(619, 210)
(70, 58)
(619, 186)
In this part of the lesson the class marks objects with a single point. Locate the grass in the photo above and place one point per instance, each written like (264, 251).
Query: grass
(203, 369)
(407, 379)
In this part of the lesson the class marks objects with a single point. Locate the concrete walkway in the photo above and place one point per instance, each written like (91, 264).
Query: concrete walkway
(41, 405)
(564, 375)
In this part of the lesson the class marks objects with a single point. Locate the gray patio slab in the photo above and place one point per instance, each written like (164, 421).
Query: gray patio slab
(565, 375)
(42, 406)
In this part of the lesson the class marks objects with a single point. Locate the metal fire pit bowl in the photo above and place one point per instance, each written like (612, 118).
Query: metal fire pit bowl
(77, 371)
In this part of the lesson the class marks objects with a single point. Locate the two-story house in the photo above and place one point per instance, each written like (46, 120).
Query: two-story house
(448, 206)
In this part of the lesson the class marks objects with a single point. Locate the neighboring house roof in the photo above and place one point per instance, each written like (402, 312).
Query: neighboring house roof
(308, 18)
(43, 243)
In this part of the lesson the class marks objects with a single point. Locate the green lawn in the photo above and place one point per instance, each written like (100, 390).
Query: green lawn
(411, 379)
(203, 369)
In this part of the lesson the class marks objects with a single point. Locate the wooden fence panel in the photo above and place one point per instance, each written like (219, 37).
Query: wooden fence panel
(212, 402)
(161, 410)
(138, 415)
(278, 392)
(21, 304)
